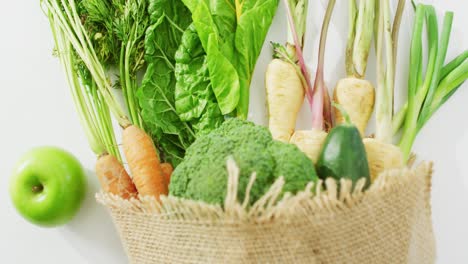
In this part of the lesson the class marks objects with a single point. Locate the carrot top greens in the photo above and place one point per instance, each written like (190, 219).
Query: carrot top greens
(92, 110)
(117, 29)
(65, 17)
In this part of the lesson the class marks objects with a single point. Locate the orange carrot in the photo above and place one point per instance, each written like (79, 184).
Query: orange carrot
(114, 178)
(167, 170)
(143, 162)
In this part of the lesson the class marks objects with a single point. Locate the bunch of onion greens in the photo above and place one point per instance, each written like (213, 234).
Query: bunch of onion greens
(430, 89)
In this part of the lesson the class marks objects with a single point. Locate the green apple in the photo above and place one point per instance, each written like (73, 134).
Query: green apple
(48, 186)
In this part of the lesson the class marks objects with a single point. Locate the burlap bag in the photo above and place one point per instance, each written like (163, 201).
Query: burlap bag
(388, 223)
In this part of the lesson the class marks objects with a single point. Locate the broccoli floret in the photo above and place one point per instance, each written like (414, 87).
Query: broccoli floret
(202, 174)
(203, 169)
(261, 135)
(231, 124)
(291, 163)
(252, 158)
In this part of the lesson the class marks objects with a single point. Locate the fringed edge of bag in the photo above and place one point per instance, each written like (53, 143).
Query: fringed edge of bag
(320, 197)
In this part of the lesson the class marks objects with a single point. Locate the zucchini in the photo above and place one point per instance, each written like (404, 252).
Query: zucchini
(343, 155)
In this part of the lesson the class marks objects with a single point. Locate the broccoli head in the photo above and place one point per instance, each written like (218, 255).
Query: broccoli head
(291, 163)
(202, 175)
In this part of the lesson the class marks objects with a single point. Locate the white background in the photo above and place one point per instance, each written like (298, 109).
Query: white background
(36, 109)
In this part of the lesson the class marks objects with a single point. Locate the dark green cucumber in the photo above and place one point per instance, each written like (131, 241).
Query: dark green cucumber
(343, 155)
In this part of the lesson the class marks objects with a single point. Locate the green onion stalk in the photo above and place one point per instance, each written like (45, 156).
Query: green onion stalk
(92, 110)
(429, 89)
(387, 43)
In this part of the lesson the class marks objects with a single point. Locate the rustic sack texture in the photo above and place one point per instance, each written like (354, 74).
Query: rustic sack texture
(389, 223)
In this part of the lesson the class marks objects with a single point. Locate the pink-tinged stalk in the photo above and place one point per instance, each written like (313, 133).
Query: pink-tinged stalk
(318, 101)
(321, 107)
(299, 54)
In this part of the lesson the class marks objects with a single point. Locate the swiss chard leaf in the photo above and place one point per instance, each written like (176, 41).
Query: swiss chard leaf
(251, 32)
(232, 33)
(194, 98)
(169, 19)
(193, 86)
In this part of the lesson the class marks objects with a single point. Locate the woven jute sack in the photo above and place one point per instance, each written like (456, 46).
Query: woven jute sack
(388, 223)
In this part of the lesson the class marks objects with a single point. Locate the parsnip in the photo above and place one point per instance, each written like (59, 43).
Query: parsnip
(354, 93)
(310, 142)
(285, 95)
(357, 97)
(287, 79)
(382, 156)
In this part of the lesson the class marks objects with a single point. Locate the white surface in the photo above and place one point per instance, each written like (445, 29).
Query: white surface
(36, 109)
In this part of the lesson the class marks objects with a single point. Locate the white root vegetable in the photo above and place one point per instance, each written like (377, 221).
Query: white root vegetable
(285, 96)
(310, 142)
(357, 97)
(382, 156)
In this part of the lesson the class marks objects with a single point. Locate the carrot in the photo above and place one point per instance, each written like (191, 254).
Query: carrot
(138, 147)
(114, 178)
(167, 170)
(143, 162)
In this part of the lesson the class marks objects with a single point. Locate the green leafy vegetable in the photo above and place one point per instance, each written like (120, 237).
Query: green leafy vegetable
(232, 33)
(194, 99)
(198, 74)
(169, 19)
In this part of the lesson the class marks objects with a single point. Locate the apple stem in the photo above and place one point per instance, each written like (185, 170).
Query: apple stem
(37, 188)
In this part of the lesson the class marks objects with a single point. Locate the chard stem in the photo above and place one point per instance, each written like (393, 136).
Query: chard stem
(321, 109)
